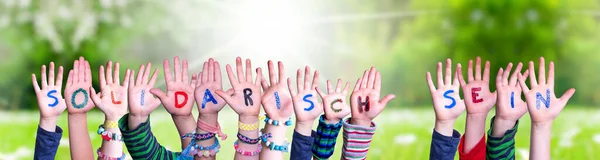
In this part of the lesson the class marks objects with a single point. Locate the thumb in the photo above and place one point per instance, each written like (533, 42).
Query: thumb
(567, 95)
(387, 99)
(158, 93)
(224, 95)
(96, 99)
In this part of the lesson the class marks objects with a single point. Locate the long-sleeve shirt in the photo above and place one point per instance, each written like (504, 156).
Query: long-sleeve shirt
(501, 147)
(477, 153)
(443, 147)
(142, 144)
(46, 143)
(301, 146)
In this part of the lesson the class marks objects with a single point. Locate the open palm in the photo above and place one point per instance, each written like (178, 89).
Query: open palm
(446, 100)
(209, 81)
(77, 91)
(364, 101)
(334, 102)
(179, 97)
(49, 106)
(113, 97)
(141, 102)
(306, 106)
(243, 86)
(478, 98)
(510, 105)
(276, 99)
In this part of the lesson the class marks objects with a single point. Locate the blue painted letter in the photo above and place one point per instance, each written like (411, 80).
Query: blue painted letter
(512, 99)
(453, 100)
(53, 97)
(539, 97)
(277, 101)
(208, 97)
(142, 97)
(312, 105)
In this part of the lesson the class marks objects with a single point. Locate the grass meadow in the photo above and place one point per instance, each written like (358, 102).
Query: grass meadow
(401, 134)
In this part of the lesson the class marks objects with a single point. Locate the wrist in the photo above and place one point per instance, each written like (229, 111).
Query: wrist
(248, 119)
(361, 122)
(112, 118)
(304, 128)
(48, 124)
(444, 127)
(135, 120)
(210, 119)
(501, 125)
(329, 120)
(541, 124)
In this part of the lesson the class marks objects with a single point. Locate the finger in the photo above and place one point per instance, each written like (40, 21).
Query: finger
(225, 96)
(160, 94)
(321, 94)
(459, 73)
(238, 68)
(499, 83)
(204, 76)
(371, 80)
(542, 71)
(96, 99)
(430, 82)
(248, 70)
(138, 80)
(387, 99)
(377, 81)
(70, 78)
(36, 86)
(59, 77)
(102, 77)
(567, 95)
(440, 79)
(470, 76)
(177, 65)
(357, 85)
(271, 69)
(513, 77)
(345, 91)
(231, 76)
(299, 80)
(448, 77)
(289, 83)
(147, 73)
(259, 76)
(329, 87)
(486, 72)
(264, 85)
(126, 79)
(131, 77)
(88, 73)
(281, 70)
(506, 73)
(51, 74)
(195, 78)
(455, 79)
(365, 79)
(81, 69)
(117, 74)
(153, 78)
(338, 86)
(211, 70)
(217, 68)
(306, 78)
(522, 79)
(109, 74)
(44, 78)
(551, 75)
(315, 81)
(185, 74)
(167, 71)
(199, 83)
(532, 79)
(478, 69)
(75, 71)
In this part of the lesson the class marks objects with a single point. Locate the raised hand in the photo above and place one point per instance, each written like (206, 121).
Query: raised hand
(306, 106)
(334, 102)
(77, 91)
(276, 99)
(478, 98)
(50, 100)
(141, 102)
(364, 101)
(446, 100)
(244, 97)
(510, 107)
(209, 81)
(113, 97)
(178, 100)
(541, 100)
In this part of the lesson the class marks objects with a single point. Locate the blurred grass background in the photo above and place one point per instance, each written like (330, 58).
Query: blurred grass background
(402, 38)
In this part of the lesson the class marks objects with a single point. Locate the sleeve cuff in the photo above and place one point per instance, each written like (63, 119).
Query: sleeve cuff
(478, 152)
(302, 138)
(57, 134)
(454, 139)
(128, 132)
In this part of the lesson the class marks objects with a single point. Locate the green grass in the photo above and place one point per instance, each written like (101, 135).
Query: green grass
(401, 134)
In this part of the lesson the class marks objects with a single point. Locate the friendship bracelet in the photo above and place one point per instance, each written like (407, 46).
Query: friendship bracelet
(212, 129)
(205, 151)
(272, 146)
(104, 157)
(111, 124)
(246, 153)
(247, 140)
(108, 136)
(276, 122)
(199, 136)
(248, 127)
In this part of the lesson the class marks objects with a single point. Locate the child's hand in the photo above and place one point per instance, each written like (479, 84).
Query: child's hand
(334, 102)
(209, 81)
(277, 99)
(510, 105)
(541, 100)
(141, 102)
(244, 97)
(478, 98)
(446, 101)
(365, 103)
(306, 106)
(50, 100)
(114, 95)
(179, 97)
(77, 91)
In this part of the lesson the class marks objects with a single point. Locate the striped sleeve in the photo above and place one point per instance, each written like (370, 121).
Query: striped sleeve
(501, 147)
(357, 140)
(325, 139)
(142, 144)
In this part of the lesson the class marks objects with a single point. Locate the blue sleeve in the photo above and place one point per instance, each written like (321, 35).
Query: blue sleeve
(301, 147)
(443, 147)
(46, 143)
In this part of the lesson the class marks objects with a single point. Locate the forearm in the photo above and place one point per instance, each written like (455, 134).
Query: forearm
(253, 134)
(184, 124)
(500, 126)
(540, 140)
(141, 143)
(304, 128)
(444, 127)
(210, 119)
(474, 130)
(278, 138)
(112, 148)
(79, 139)
(48, 124)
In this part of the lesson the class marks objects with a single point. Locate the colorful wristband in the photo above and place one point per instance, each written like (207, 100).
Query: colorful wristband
(108, 136)
(272, 146)
(248, 127)
(247, 140)
(199, 136)
(246, 153)
(111, 124)
(205, 151)
(276, 122)
(104, 157)
(212, 129)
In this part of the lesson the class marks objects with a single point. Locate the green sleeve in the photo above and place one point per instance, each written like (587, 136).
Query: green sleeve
(501, 147)
(142, 144)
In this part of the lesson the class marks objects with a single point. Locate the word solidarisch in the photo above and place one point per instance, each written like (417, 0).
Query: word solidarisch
(366, 104)
(53, 97)
(447, 95)
(208, 97)
(185, 99)
(539, 98)
(305, 99)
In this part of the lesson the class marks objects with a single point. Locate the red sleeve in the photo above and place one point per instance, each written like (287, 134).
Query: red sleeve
(477, 153)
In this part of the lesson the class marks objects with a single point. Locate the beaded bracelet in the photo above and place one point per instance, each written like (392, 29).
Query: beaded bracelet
(205, 151)
(199, 136)
(248, 127)
(104, 157)
(108, 136)
(272, 146)
(246, 153)
(247, 140)
(276, 122)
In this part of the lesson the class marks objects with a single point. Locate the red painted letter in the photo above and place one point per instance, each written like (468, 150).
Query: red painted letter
(474, 95)
(112, 97)
(185, 98)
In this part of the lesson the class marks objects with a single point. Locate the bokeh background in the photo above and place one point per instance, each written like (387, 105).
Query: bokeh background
(341, 38)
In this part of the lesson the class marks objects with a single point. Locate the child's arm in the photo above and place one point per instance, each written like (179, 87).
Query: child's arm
(479, 101)
(307, 109)
(447, 106)
(277, 103)
(244, 99)
(179, 99)
(365, 106)
(330, 124)
(77, 95)
(135, 126)
(509, 109)
(112, 100)
(543, 107)
(209, 105)
(51, 105)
